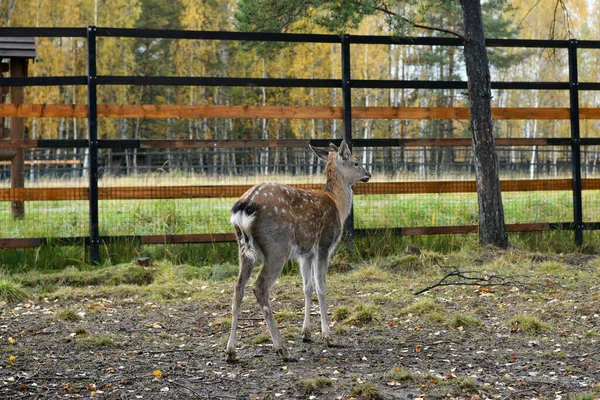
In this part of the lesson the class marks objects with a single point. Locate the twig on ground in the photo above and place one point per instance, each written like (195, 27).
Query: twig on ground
(459, 278)
(185, 387)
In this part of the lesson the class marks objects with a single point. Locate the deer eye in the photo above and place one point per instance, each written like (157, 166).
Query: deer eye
(356, 164)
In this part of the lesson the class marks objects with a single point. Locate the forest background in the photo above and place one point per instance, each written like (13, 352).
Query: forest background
(527, 19)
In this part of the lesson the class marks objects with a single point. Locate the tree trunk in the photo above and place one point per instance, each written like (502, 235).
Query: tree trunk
(492, 229)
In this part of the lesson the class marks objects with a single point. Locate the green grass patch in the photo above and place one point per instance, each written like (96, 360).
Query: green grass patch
(286, 314)
(340, 313)
(364, 314)
(313, 385)
(528, 324)
(398, 374)
(68, 314)
(260, 339)
(365, 391)
(12, 292)
(465, 321)
(584, 396)
(94, 341)
(423, 306)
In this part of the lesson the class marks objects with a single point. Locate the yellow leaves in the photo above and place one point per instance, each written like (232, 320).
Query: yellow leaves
(157, 374)
(12, 341)
(12, 359)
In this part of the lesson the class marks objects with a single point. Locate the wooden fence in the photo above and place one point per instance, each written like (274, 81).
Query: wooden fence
(92, 111)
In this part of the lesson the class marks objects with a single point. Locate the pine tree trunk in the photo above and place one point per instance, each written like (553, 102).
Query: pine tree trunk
(492, 229)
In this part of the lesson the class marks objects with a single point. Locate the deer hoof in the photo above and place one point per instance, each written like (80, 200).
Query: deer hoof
(231, 357)
(306, 337)
(285, 354)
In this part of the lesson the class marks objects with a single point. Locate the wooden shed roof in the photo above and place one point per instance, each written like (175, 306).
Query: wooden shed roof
(17, 47)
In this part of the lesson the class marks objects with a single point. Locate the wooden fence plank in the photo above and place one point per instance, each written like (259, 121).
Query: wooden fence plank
(13, 243)
(292, 112)
(232, 191)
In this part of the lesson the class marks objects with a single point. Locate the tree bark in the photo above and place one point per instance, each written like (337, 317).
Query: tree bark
(492, 229)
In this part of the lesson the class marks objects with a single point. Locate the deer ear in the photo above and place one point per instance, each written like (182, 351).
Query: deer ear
(322, 154)
(344, 151)
(333, 147)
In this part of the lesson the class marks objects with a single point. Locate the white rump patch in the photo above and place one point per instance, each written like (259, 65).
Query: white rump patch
(244, 222)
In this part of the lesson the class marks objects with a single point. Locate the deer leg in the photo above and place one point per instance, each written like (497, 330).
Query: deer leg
(307, 280)
(246, 266)
(320, 272)
(262, 288)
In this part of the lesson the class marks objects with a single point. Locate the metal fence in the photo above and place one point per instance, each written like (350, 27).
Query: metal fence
(179, 191)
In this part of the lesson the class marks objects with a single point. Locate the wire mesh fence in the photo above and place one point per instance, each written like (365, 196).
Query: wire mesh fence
(175, 169)
(143, 191)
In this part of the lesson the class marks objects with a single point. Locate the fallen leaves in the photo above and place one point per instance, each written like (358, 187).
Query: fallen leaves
(157, 374)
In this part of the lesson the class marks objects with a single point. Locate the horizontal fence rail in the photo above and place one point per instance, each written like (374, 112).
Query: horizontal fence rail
(347, 113)
(231, 191)
(284, 112)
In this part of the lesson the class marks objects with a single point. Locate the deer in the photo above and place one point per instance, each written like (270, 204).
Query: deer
(276, 222)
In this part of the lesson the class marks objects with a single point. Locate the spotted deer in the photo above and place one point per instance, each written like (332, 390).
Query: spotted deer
(277, 222)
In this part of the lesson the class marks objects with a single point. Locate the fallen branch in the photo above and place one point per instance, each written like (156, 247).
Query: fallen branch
(458, 278)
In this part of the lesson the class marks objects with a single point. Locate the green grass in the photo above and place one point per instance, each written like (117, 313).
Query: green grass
(528, 324)
(364, 314)
(93, 341)
(68, 314)
(398, 375)
(12, 292)
(365, 391)
(465, 321)
(50, 219)
(313, 385)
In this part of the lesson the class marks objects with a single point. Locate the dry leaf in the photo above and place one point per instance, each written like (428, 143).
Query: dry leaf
(157, 374)
(418, 348)
(11, 340)
(12, 359)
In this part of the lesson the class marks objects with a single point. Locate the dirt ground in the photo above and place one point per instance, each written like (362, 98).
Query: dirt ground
(535, 338)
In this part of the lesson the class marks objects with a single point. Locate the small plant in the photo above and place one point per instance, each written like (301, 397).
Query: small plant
(287, 314)
(398, 374)
(468, 385)
(437, 317)
(11, 292)
(365, 391)
(68, 314)
(363, 314)
(465, 321)
(94, 341)
(376, 339)
(81, 331)
(221, 323)
(340, 330)
(260, 339)
(528, 324)
(584, 396)
(340, 313)
(312, 385)
(422, 306)
(222, 272)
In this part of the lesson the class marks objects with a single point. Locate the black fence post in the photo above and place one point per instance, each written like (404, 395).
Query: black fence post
(347, 116)
(93, 145)
(575, 142)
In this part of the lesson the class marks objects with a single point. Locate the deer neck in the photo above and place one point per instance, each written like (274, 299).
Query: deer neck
(339, 190)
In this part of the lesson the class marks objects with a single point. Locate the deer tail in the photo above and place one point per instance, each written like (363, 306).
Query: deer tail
(243, 215)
